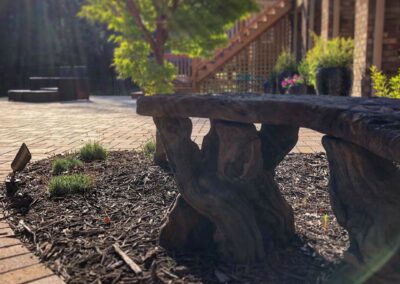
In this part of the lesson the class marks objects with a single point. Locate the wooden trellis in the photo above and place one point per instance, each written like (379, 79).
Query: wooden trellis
(249, 69)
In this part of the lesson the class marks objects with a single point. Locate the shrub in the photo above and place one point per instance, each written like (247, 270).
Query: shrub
(92, 152)
(149, 149)
(337, 52)
(384, 86)
(285, 62)
(64, 165)
(69, 184)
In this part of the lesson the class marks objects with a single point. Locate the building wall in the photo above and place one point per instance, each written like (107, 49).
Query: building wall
(347, 18)
(356, 19)
(363, 53)
(391, 38)
(317, 17)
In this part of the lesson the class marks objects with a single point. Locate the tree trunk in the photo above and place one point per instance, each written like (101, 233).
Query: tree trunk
(228, 185)
(365, 196)
(160, 156)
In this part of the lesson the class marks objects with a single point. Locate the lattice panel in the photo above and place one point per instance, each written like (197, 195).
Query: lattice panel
(249, 69)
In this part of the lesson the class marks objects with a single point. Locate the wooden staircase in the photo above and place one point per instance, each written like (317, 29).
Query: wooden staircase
(193, 73)
(257, 26)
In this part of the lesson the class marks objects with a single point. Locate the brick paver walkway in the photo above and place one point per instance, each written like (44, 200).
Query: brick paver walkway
(55, 128)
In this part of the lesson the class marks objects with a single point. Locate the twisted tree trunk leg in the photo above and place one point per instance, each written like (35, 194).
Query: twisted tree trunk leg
(365, 196)
(186, 229)
(226, 183)
(160, 156)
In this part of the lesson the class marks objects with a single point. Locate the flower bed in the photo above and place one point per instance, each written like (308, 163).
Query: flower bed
(74, 235)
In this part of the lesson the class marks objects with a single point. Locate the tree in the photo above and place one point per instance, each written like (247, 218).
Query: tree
(144, 30)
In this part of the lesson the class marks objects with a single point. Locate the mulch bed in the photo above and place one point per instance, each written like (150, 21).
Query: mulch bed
(75, 235)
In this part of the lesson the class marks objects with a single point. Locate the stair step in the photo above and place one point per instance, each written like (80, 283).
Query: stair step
(254, 26)
(241, 39)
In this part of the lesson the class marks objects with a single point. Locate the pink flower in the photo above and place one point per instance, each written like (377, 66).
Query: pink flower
(284, 83)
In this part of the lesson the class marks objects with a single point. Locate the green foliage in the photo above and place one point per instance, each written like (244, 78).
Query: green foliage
(285, 62)
(384, 86)
(192, 27)
(337, 52)
(70, 184)
(92, 152)
(149, 149)
(60, 166)
(150, 76)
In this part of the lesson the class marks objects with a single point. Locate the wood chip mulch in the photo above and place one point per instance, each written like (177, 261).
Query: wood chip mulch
(110, 234)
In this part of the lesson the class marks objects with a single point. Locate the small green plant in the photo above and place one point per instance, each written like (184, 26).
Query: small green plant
(384, 86)
(337, 52)
(69, 184)
(149, 149)
(92, 152)
(60, 166)
(285, 62)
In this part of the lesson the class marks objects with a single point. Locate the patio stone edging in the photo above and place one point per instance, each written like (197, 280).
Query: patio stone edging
(18, 264)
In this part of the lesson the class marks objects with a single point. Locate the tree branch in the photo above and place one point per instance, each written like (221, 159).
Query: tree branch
(175, 5)
(135, 12)
(157, 7)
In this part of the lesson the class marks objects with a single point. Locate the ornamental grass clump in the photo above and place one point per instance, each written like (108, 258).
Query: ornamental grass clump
(64, 165)
(69, 184)
(92, 152)
(149, 149)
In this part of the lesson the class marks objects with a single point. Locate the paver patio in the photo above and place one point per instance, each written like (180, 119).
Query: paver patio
(55, 128)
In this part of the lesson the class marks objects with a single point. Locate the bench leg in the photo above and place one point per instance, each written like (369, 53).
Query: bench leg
(227, 190)
(365, 197)
(186, 230)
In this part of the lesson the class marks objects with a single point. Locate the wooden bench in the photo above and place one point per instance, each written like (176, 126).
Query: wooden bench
(227, 188)
(69, 88)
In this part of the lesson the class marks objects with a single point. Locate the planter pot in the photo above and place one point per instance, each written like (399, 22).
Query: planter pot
(281, 76)
(270, 87)
(334, 81)
(297, 90)
(311, 90)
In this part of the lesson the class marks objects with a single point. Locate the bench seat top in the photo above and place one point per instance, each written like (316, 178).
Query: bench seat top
(372, 123)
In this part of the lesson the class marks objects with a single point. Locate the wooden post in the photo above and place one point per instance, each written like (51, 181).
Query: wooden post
(195, 64)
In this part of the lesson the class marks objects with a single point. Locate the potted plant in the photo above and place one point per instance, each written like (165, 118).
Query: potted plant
(327, 66)
(285, 67)
(294, 85)
(270, 86)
